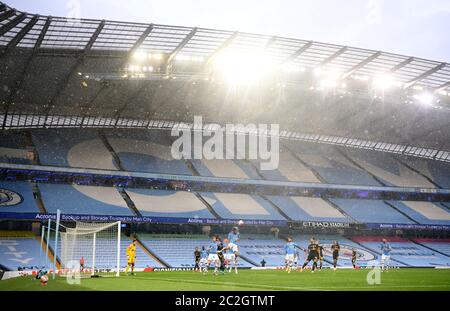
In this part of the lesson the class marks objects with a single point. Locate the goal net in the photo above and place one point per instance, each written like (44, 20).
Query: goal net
(91, 248)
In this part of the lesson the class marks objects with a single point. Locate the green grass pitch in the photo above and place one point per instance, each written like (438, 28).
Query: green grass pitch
(251, 280)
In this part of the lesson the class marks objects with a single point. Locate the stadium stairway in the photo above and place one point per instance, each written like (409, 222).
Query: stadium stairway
(150, 253)
(416, 171)
(108, 146)
(208, 206)
(429, 247)
(38, 198)
(314, 171)
(129, 202)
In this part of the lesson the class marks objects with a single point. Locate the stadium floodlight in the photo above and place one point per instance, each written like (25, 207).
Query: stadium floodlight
(383, 81)
(330, 78)
(157, 56)
(244, 67)
(292, 67)
(425, 98)
(140, 56)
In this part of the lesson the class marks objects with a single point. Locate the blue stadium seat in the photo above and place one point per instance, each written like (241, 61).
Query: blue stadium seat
(159, 203)
(289, 169)
(269, 249)
(364, 257)
(178, 252)
(332, 166)
(146, 151)
(225, 169)
(442, 246)
(84, 200)
(143, 260)
(17, 197)
(13, 147)
(308, 209)
(437, 171)
(241, 206)
(72, 147)
(407, 253)
(371, 211)
(426, 213)
(21, 253)
(390, 171)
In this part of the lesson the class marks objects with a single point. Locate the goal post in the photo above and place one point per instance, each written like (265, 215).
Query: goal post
(95, 245)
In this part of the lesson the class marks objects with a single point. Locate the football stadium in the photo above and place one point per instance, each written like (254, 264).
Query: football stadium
(148, 157)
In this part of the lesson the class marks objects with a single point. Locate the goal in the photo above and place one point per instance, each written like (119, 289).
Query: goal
(97, 245)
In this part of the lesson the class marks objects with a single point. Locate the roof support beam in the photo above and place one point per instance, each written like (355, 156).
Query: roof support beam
(43, 33)
(21, 78)
(75, 66)
(424, 75)
(361, 65)
(222, 47)
(22, 33)
(333, 56)
(141, 39)
(404, 63)
(12, 24)
(270, 42)
(299, 52)
(180, 46)
(442, 87)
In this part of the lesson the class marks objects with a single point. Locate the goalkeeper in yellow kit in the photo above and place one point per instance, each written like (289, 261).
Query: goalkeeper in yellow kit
(131, 256)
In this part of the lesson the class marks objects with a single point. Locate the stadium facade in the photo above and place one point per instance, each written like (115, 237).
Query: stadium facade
(86, 112)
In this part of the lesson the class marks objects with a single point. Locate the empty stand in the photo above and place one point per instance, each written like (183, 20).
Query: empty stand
(437, 171)
(427, 213)
(87, 200)
(168, 203)
(72, 147)
(14, 147)
(21, 254)
(388, 169)
(146, 151)
(440, 245)
(308, 209)
(241, 206)
(290, 169)
(371, 211)
(225, 168)
(178, 252)
(143, 260)
(331, 165)
(405, 252)
(17, 197)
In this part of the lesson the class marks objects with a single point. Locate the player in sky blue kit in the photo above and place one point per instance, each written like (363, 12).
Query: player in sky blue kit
(290, 250)
(234, 237)
(203, 258)
(385, 254)
(229, 256)
(212, 257)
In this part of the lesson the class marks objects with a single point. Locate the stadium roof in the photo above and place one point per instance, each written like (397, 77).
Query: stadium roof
(24, 30)
(67, 67)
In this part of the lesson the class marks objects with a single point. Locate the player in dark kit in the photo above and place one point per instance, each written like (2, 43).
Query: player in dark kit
(197, 256)
(335, 248)
(354, 254)
(320, 251)
(313, 254)
(220, 249)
